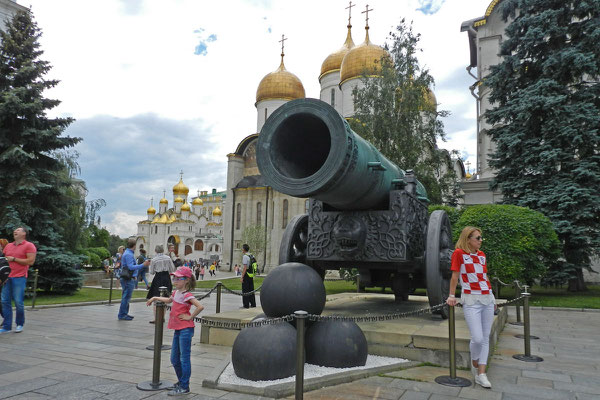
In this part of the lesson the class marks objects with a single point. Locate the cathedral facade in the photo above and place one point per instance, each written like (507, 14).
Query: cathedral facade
(196, 229)
(249, 200)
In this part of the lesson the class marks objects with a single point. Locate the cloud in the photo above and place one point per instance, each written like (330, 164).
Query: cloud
(201, 48)
(132, 7)
(429, 7)
(126, 161)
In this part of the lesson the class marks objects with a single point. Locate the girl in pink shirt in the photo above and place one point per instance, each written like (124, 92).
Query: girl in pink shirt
(182, 321)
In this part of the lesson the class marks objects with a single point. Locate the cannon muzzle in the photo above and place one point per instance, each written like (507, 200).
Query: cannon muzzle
(306, 149)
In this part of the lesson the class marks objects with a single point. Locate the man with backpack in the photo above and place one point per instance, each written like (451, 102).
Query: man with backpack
(250, 267)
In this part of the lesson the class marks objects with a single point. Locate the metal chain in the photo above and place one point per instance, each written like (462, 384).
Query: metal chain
(509, 302)
(377, 318)
(240, 293)
(242, 325)
(500, 282)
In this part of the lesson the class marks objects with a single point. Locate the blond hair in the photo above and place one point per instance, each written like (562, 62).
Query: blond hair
(465, 235)
(190, 283)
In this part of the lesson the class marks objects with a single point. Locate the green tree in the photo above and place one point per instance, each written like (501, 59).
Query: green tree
(35, 185)
(397, 113)
(114, 242)
(255, 237)
(546, 93)
(519, 243)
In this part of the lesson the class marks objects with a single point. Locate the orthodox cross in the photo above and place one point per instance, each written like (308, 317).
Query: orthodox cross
(349, 8)
(283, 39)
(181, 174)
(366, 12)
(468, 164)
(151, 201)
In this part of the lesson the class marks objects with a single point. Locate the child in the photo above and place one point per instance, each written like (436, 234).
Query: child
(182, 322)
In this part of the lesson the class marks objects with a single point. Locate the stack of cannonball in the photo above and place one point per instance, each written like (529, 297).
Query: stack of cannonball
(268, 352)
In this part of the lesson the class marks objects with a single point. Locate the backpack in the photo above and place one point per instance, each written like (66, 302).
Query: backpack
(252, 267)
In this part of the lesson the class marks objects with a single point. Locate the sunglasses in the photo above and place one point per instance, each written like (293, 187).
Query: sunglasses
(180, 278)
(478, 238)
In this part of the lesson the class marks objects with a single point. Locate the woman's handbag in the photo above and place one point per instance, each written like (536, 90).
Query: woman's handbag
(126, 273)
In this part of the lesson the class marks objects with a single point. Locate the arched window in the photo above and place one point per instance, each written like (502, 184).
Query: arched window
(199, 245)
(210, 213)
(306, 206)
(188, 250)
(265, 114)
(258, 213)
(155, 229)
(238, 216)
(332, 97)
(284, 214)
(217, 247)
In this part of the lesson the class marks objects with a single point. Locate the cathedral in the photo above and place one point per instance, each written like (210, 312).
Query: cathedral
(196, 229)
(249, 200)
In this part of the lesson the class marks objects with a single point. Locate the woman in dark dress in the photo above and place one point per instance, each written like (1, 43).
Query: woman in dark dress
(161, 266)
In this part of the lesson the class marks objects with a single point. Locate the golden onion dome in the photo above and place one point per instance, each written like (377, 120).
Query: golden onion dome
(180, 188)
(173, 218)
(156, 219)
(333, 62)
(197, 201)
(364, 58)
(186, 207)
(468, 175)
(178, 199)
(217, 212)
(430, 99)
(164, 201)
(280, 84)
(163, 219)
(151, 210)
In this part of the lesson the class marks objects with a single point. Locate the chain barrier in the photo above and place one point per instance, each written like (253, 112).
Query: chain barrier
(240, 293)
(517, 285)
(242, 325)
(502, 283)
(377, 318)
(340, 279)
(510, 302)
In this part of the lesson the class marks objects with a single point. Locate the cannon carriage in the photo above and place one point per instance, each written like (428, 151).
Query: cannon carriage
(364, 212)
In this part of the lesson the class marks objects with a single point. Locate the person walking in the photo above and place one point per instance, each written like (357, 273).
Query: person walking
(469, 265)
(117, 265)
(20, 255)
(140, 260)
(211, 270)
(128, 261)
(182, 322)
(247, 278)
(202, 271)
(161, 266)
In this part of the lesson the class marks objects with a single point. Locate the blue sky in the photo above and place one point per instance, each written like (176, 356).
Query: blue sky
(158, 87)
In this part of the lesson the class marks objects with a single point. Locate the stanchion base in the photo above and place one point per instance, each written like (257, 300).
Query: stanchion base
(163, 347)
(523, 357)
(521, 336)
(516, 323)
(447, 380)
(150, 387)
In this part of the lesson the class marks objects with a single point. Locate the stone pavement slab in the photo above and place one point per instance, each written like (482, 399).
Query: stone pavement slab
(85, 353)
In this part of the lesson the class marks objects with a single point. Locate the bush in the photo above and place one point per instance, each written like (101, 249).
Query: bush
(453, 213)
(519, 243)
(101, 252)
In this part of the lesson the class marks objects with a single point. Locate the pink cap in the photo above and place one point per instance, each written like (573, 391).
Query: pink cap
(183, 272)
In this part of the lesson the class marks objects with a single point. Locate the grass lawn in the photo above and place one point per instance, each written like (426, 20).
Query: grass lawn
(546, 297)
(83, 295)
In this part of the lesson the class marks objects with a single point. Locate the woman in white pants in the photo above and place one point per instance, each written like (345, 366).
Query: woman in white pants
(469, 264)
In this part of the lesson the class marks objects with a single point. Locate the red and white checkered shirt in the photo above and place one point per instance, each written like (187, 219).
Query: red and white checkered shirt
(473, 272)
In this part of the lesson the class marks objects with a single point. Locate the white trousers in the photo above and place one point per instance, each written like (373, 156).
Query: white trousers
(479, 319)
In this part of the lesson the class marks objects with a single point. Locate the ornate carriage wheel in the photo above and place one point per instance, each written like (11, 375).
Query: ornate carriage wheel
(437, 259)
(294, 242)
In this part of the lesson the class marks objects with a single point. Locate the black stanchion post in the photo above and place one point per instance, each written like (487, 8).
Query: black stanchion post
(517, 305)
(110, 290)
(163, 293)
(526, 329)
(36, 274)
(219, 284)
(452, 380)
(300, 319)
(156, 383)
(357, 283)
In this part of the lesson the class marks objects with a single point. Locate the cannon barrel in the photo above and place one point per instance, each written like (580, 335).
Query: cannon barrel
(306, 149)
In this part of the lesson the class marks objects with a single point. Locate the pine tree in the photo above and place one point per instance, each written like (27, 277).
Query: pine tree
(546, 94)
(34, 179)
(397, 114)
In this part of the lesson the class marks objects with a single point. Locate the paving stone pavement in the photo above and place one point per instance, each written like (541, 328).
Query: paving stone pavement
(84, 352)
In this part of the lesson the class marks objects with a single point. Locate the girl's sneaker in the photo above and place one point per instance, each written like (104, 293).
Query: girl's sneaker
(483, 381)
(178, 391)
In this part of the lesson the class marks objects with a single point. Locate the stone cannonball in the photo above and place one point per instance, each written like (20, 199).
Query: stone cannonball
(339, 344)
(265, 353)
(292, 287)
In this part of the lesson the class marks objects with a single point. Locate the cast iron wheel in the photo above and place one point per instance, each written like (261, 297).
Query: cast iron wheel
(294, 243)
(437, 259)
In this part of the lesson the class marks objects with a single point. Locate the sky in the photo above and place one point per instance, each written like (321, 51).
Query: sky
(158, 87)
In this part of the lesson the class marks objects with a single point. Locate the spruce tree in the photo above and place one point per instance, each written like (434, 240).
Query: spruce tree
(35, 183)
(396, 113)
(546, 94)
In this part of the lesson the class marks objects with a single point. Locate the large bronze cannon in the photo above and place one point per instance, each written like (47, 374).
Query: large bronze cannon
(365, 212)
